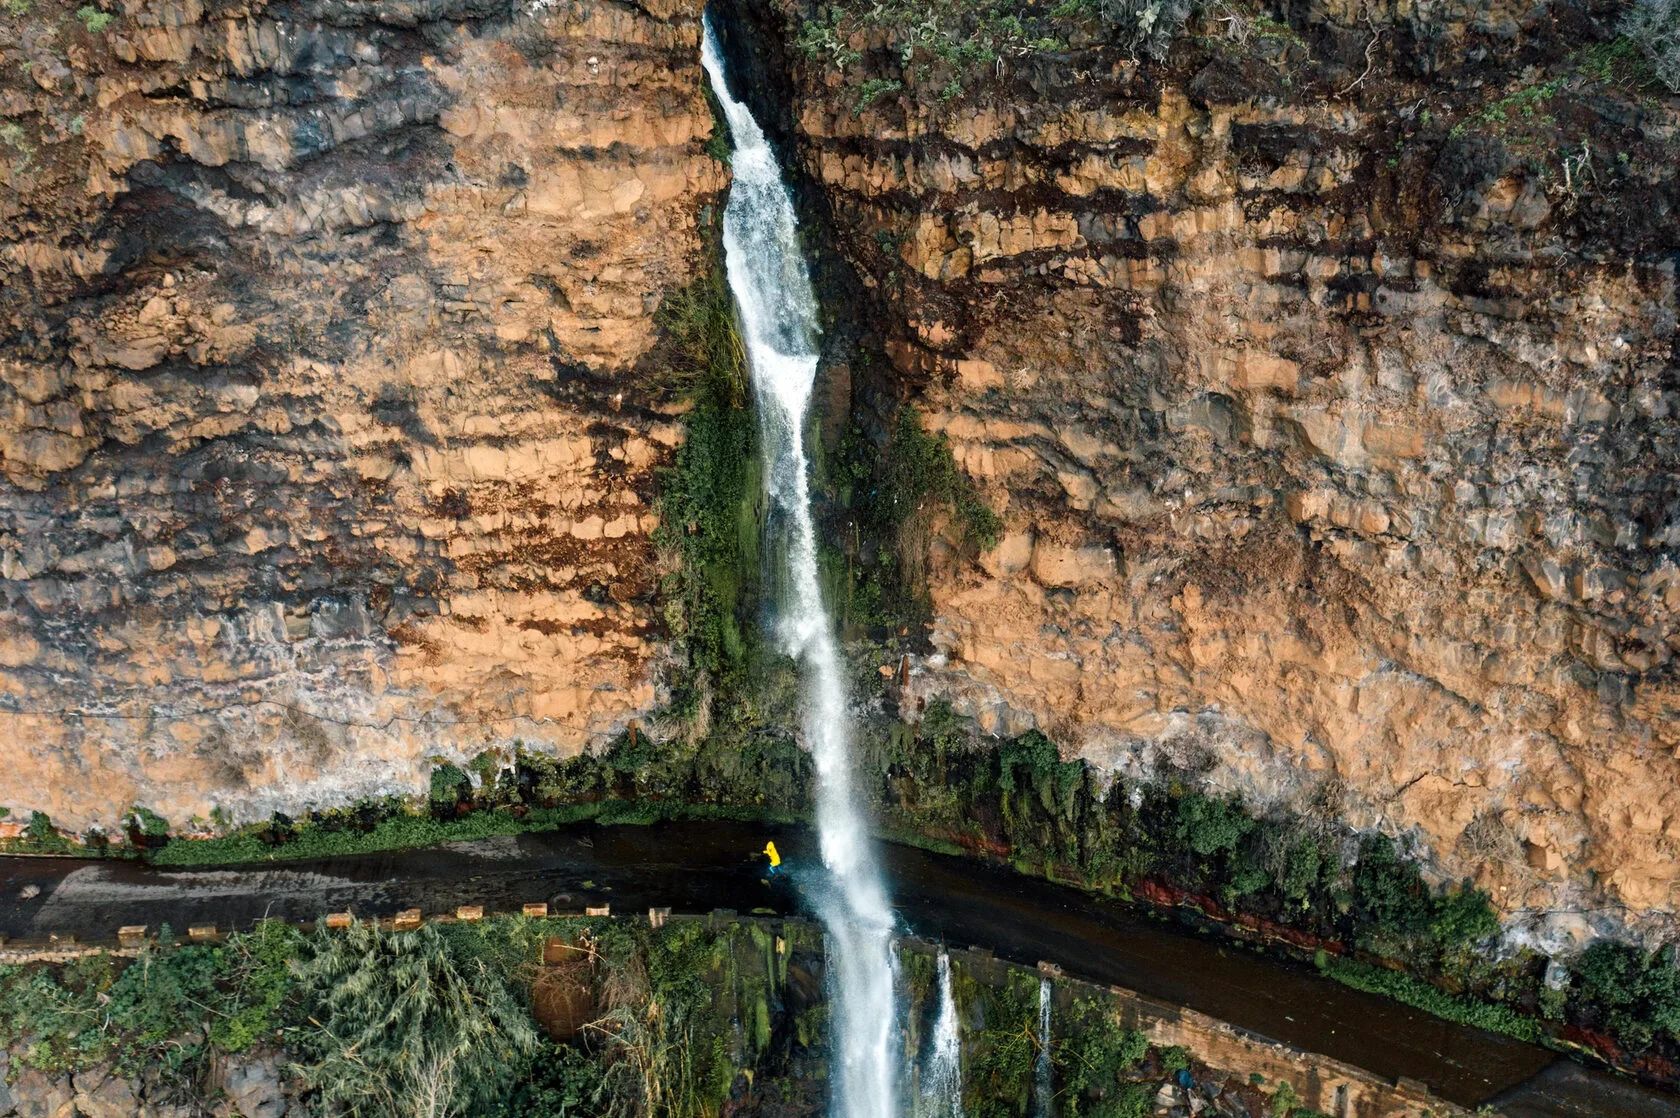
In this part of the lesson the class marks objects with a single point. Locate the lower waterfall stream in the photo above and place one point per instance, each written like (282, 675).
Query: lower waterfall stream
(777, 309)
(941, 1088)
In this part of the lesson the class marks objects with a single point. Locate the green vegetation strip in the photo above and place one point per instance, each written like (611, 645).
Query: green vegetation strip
(406, 831)
(1418, 994)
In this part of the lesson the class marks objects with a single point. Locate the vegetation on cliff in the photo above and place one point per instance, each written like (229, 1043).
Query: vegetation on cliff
(1354, 902)
(635, 780)
(892, 501)
(439, 1021)
(1304, 882)
(947, 43)
(707, 507)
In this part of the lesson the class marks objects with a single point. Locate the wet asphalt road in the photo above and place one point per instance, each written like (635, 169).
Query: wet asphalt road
(700, 867)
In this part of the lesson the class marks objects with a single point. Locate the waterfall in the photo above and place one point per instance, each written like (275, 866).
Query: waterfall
(778, 319)
(1042, 1087)
(942, 1072)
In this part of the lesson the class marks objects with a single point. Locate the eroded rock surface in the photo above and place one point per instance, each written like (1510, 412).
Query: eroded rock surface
(1328, 396)
(326, 434)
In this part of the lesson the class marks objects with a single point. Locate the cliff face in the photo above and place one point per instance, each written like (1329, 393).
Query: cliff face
(1325, 377)
(327, 417)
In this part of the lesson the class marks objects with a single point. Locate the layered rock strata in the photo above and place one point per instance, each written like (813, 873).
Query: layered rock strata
(327, 422)
(1325, 377)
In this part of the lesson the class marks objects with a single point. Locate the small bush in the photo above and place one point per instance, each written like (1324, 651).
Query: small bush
(1654, 25)
(93, 19)
(1094, 1059)
(1209, 826)
(1636, 995)
(873, 90)
(449, 786)
(1462, 918)
(148, 823)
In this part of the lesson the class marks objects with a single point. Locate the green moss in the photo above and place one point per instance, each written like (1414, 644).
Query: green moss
(892, 495)
(719, 145)
(708, 505)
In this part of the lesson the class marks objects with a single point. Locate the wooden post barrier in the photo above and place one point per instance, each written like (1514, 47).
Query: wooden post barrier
(131, 935)
(407, 920)
(536, 908)
(201, 933)
(658, 916)
(469, 913)
(340, 919)
(598, 910)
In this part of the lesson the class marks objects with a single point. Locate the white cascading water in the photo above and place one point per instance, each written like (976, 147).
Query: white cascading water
(1043, 1089)
(941, 1094)
(778, 318)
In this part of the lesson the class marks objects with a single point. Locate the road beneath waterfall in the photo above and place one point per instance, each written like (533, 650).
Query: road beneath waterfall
(700, 867)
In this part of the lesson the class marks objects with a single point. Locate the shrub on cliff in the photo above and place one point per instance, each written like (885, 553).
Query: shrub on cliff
(1634, 996)
(449, 787)
(1655, 26)
(1094, 1060)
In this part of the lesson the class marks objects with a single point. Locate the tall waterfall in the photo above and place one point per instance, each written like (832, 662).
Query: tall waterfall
(942, 1074)
(1043, 1088)
(778, 318)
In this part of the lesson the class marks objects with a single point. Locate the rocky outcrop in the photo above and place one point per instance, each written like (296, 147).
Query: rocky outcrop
(328, 424)
(248, 1086)
(1325, 377)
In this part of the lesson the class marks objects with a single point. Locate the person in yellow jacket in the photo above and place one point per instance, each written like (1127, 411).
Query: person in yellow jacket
(775, 856)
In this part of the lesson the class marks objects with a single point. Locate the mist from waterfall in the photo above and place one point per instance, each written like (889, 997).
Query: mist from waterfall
(941, 1089)
(778, 318)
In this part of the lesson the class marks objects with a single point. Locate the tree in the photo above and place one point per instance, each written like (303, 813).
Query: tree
(400, 1027)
